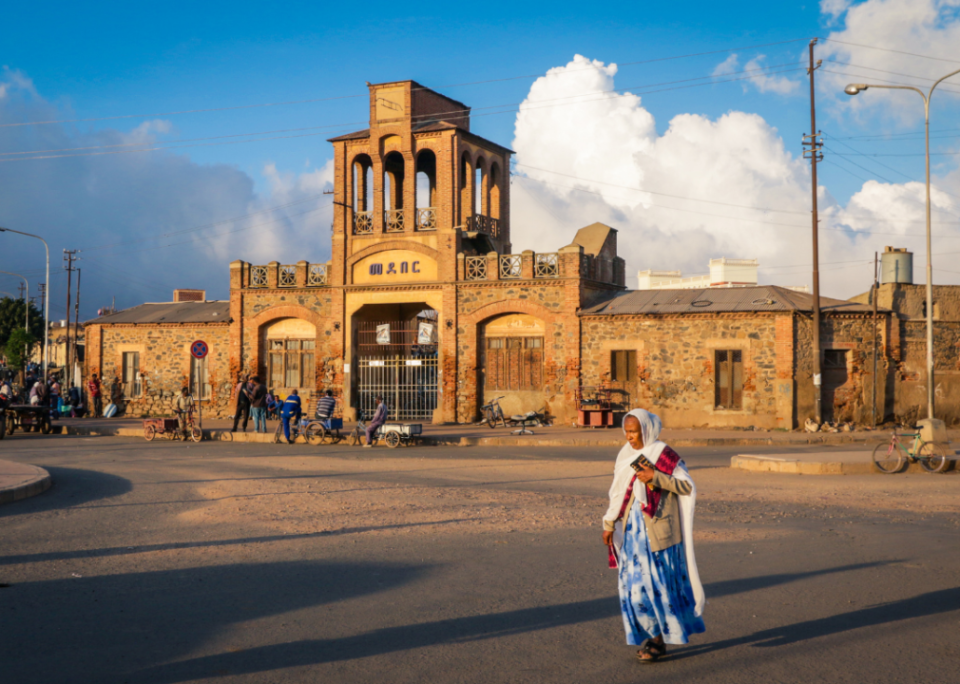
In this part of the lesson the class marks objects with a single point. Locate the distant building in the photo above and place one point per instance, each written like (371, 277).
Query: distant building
(723, 273)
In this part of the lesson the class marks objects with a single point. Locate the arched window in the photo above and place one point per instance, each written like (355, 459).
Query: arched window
(466, 187)
(362, 183)
(480, 188)
(393, 171)
(426, 188)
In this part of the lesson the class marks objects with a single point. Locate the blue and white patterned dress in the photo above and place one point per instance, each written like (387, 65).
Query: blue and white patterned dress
(655, 593)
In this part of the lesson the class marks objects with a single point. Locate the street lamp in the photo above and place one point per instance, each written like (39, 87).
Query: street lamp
(46, 296)
(26, 296)
(854, 89)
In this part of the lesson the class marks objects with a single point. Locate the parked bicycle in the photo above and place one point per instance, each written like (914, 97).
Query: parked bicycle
(890, 457)
(493, 414)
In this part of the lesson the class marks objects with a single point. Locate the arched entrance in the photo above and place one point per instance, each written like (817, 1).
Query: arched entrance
(512, 362)
(289, 355)
(396, 357)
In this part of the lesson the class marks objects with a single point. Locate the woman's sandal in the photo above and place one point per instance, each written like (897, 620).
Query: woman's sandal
(652, 650)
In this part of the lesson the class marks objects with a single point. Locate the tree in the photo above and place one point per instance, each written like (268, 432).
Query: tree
(12, 317)
(17, 349)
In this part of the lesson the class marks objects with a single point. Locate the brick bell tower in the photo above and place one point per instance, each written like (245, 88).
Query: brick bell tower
(411, 192)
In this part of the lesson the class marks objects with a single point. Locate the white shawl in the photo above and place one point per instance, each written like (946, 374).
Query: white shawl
(650, 427)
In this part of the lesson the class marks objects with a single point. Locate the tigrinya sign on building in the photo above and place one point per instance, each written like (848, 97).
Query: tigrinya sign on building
(394, 266)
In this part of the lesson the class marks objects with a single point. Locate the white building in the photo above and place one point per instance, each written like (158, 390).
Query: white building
(723, 273)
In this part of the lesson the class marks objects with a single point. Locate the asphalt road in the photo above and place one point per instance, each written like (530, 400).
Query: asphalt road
(164, 562)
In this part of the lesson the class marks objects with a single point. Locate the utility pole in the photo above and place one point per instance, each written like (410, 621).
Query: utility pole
(876, 293)
(68, 256)
(812, 145)
(43, 311)
(76, 322)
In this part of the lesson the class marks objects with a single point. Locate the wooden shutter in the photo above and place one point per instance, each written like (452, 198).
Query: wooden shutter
(722, 399)
(736, 383)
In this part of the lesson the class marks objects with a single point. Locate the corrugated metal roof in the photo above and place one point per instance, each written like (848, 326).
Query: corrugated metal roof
(356, 135)
(170, 312)
(718, 299)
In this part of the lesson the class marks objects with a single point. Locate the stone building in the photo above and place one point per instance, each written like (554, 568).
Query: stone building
(425, 301)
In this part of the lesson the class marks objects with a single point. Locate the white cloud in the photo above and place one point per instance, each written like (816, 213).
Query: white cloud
(754, 70)
(920, 27)
(834, 8)
(93, 200)
(580, 161)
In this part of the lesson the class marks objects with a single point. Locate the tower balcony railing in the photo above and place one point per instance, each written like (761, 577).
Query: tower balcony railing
(274, 275)
(476, 267)
(426, 218)
(481, 223)
(287, 276)
(511, 266)
(363, 223)
(393, 221)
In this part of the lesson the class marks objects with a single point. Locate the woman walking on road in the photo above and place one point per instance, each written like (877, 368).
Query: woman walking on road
(649, 531)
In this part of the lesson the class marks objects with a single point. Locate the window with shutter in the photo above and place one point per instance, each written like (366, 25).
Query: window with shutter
(728, 386)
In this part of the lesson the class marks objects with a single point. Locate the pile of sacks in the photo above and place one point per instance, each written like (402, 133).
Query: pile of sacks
(813, 426)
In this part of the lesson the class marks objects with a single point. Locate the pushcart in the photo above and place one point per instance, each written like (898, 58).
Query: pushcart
(170, 429)
(395, 434)
(27, 418)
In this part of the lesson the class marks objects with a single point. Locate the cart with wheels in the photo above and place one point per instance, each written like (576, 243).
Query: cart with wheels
(395, 434)
(28, 418)
(169, 428)
(324, 431)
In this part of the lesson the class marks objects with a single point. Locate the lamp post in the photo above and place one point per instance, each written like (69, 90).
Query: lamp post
(855, 88)
(26, 296)
(46, 296)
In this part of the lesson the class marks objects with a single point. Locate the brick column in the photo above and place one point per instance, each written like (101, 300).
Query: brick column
(526, 264)
(272, 270)
(493, 266)
(448, 357)
(302, 268)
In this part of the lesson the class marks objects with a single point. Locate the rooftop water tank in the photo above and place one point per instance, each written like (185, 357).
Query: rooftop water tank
(896, 266)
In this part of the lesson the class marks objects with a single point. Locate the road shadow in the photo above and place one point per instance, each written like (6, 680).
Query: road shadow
(170, 546)
(744, 584)
(924, 605)
(381, 641)
(105, 627)
(71, 487)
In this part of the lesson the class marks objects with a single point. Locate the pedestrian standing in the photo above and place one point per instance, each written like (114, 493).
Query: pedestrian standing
(183, 407)
(379, 418)
(96, 396)
(116, 394)
(258, 408)
(243, 405)
(291, 411)
(652, 500)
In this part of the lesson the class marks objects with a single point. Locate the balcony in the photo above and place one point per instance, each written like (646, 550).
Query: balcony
(511, 266)
(426, 219)
(363, 223)
(480, 223)
(393, 221)
(476, 268)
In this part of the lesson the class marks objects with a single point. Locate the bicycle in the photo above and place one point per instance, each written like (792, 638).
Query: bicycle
(296, 428)
(359, 433)
(889, 458)
(493, 414)
(170, 427)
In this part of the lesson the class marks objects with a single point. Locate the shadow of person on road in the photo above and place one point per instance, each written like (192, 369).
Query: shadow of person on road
(104, 627)
(71, 487)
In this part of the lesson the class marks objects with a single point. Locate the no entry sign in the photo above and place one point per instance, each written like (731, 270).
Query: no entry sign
(199, 349)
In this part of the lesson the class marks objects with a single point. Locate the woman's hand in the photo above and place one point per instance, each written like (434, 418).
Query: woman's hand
(608, 537)
(644, 474)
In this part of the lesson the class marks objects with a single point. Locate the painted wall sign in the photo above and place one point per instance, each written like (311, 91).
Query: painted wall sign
(394, 266)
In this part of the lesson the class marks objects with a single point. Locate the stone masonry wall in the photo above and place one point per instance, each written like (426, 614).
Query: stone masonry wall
(676, 365)
(165, 364)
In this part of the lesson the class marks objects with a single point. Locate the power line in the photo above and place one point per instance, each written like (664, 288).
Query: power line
(346, 97)
(900, 52)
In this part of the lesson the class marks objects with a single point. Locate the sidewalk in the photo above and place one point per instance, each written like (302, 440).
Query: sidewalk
(20, 481)
(831, 463)
(472, 435)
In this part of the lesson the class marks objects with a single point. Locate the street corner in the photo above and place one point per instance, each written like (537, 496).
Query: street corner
(21, 481)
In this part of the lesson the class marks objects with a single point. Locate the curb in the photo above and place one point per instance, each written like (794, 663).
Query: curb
(31, 486)
(529, 441)
(773, 464)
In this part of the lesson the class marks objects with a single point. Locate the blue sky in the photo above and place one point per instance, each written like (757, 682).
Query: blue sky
(66, 61)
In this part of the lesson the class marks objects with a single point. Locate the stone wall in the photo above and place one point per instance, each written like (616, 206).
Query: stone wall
(676, 365)
(164, 363)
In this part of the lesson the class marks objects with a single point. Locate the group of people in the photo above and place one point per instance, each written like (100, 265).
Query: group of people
(51, 393)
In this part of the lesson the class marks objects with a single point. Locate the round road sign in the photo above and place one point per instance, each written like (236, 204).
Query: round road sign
(199, 349)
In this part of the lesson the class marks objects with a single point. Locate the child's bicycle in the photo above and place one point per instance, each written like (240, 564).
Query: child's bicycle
(890, 457)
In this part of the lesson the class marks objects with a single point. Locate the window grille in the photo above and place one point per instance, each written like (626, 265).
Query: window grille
(258, 276)
(510, 266)
(476, 267)
(363, 223)
(317, 275)
(834, 358)
(729, 379)
(427, 219)
(547, 265)
(288, 276)
(393, 221)
(291, 364)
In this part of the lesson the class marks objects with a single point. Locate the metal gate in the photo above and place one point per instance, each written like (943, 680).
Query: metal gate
(407, 385)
